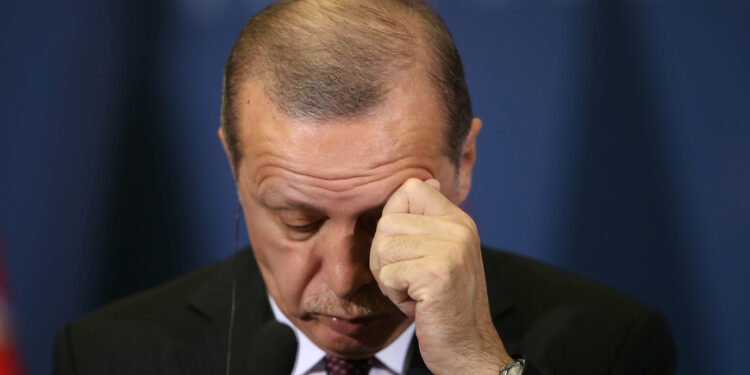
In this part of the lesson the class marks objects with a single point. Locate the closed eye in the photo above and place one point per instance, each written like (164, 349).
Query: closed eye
(307, 228)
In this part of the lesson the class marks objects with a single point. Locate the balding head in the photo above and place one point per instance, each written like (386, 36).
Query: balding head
(337, 60)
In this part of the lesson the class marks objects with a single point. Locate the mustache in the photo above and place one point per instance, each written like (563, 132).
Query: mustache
(367, 303)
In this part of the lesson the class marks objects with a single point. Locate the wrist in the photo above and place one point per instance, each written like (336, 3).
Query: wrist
(497, 359)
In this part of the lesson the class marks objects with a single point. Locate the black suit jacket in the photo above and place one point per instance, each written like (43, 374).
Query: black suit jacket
(561, 323)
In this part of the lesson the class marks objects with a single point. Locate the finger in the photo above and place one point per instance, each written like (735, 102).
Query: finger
(433, 182)
(418, 197)
(405, 223)
(401, 248)
(394, 281)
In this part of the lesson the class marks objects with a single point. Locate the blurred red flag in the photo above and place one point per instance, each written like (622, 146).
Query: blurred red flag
(9, 358)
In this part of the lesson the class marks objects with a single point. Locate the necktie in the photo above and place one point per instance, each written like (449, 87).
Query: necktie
(339, 366)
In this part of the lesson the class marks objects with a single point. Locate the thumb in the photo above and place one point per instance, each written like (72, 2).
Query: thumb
(434, 183)
(419, 197)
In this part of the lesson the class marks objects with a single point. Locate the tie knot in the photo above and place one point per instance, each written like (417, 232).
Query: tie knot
(340, 366)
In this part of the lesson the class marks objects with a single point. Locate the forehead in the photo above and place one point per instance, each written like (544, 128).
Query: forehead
(406, 132)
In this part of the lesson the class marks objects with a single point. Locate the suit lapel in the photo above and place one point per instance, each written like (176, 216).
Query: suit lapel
(205, 352)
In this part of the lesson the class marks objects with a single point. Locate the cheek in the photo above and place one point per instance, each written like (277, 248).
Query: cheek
(288, 267)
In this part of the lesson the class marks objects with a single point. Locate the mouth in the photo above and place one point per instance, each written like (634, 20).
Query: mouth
(346, 326)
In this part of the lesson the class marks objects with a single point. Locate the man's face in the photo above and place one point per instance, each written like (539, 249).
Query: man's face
(312, 195)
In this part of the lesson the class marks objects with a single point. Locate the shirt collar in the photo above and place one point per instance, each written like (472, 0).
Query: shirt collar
(309, 356)
(394, 355)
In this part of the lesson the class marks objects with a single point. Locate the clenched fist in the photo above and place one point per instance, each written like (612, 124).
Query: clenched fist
(426, 258)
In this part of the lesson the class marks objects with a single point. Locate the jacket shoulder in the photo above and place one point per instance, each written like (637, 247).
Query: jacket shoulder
(557, 315)
(144, 329)
(533, 282)
(162, 304)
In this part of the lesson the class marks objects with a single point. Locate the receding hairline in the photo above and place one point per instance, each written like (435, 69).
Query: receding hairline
(415, 54)
(261, 65)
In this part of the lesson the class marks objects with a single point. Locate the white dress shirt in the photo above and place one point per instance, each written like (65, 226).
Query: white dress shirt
(389, 361)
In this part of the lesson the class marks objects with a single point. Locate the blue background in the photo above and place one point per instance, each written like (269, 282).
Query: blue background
(615, 145)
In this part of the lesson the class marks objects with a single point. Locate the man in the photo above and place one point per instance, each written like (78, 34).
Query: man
(350, 134)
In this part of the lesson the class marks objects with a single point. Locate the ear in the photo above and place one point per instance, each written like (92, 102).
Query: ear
(224, 144)
(223, 139)
(468, 157)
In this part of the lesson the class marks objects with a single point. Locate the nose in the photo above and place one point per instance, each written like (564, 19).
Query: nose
(346, 259)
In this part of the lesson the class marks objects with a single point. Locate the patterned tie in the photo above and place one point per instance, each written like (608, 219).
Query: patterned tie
(339, 366)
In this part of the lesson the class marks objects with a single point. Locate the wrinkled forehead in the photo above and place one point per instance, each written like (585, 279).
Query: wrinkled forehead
(407, 129)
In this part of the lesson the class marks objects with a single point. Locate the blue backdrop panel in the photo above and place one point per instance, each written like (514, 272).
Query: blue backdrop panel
(614, 145)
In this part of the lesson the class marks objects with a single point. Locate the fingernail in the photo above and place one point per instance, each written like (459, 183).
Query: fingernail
(434, 183)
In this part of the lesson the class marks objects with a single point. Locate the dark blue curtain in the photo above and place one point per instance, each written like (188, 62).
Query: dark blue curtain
(615, 145)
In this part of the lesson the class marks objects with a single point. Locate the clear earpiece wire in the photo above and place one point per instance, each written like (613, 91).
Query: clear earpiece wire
(234, 288)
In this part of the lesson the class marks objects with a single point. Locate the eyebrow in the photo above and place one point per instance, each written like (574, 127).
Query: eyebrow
(304, 206)
(287, 205)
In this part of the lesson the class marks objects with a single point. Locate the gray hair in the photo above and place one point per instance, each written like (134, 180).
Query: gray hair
(322, 60)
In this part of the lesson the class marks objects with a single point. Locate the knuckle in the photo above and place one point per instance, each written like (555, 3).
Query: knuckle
(467, 221)
(376, 245)
(459, 261)
(375, 268)
(463, 234)
(384, 243)
(470, 231)
(385, 223)
(387, 276)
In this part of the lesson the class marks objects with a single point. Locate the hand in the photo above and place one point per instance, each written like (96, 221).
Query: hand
(426, 258)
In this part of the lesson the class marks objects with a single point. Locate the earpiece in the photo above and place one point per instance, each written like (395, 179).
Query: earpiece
(234, 285)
